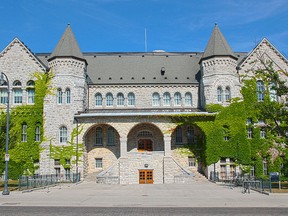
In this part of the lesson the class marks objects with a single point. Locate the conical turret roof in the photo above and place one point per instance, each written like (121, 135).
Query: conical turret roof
(67, 46)
(217, 46)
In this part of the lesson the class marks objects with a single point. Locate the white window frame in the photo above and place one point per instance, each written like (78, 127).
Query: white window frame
(177, 99)
(109, 100)
(63, 134)
(98, 99)
(188, 99)
(166, 99)
(155, 99)
(120, 99)
(24, 132)
(131, 99)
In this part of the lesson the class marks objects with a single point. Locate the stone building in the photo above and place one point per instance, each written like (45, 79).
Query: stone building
(122, 102)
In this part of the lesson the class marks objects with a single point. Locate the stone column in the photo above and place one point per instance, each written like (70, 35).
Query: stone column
(167, 145)
(123, 147)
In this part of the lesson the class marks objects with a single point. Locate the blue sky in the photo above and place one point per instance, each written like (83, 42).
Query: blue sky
(118, 25)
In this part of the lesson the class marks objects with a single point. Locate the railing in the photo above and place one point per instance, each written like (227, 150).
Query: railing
(38, 181)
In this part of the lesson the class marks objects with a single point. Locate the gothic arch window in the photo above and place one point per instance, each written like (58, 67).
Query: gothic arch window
(59, 96)
(17, 92)
(188, 99)
(98, 99)
(227, 93)
(120, 99)
(30, 92)
(219, 94)
(111, 136)
(155, 99)
(260, 90)
(177, 99)
(99, 136)
(63, 134)
(131, 99)
(166, 99)
(68, 96)
(109, 99)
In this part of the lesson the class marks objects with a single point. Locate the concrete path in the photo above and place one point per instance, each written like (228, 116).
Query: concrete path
(204, 194)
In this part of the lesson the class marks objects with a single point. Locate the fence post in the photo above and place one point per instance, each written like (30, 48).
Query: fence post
(19, 185)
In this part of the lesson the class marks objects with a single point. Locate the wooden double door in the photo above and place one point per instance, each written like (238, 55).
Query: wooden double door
(145, 145)
(145, 176)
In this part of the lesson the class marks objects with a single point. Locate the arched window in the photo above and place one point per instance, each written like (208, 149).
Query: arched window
(99, 136)
(179, 136)
(111, 136)
(190, 134)
(68, 96)
(188, 99)
(63, 134)
(37, 134)
(30, 92)
(24, 132)
(109, 99)
(219, 94)
(155, 99)
(177, 99)
(166, 99)
(120, 99)
(260, 90)
(98, 99)
(227, 93)
(131, 99)
(17, 92)
(59, 96)
(272, 92)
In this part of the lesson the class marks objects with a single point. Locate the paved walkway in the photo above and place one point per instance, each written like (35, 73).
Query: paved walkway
(204, 194)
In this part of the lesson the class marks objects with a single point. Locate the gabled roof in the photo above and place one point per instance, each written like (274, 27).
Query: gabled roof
(247, 60)
(217, 46)
(27, 50)
(67, 46)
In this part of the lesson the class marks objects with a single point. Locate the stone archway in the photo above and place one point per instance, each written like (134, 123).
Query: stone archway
(102, 144)
(145, 136)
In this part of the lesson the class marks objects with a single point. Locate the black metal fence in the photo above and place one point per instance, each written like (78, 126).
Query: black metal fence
(38, 181)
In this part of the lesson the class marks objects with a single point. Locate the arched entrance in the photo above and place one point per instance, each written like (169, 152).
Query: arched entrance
(145, 137)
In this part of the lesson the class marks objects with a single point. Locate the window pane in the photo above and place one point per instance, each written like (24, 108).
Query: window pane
(99, 140)
(131, 99)
(111, 136)
(219, 94)
(37, 134)
(166, 99)
(109, 99)
(227, 94)
(3, 96)
(31, 95)
(98, 162)
(68, 96)
(260, 90)
(120, 99)
(177, 99)
(190, 134)
(178, 135)
(188, 99)
(98, 99)
(59, 96)
(63, 135)
(17, 96)
(24, 133)
(156, 99)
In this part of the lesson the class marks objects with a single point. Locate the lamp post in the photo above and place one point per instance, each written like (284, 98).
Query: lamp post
(4, 78)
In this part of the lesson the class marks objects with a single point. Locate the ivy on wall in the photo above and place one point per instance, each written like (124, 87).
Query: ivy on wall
(71, 152)
(24, 155)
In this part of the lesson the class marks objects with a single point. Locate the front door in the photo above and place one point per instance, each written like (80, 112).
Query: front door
(145, 145)
(145, 176)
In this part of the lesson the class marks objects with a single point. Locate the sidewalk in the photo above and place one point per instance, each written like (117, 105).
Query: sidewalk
(90, 194)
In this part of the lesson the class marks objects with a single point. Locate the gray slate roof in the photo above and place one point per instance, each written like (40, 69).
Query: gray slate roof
(217, 45)
(67, 46)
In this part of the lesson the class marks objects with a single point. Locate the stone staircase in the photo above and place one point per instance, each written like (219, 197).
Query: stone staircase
(166, 170)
